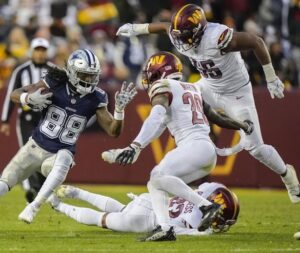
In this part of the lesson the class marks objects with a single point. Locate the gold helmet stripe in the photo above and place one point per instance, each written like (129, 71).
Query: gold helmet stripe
(177, 15)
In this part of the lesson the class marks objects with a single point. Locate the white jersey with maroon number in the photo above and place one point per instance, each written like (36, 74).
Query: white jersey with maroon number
(184, 213)
(222, 72)
(185, 117)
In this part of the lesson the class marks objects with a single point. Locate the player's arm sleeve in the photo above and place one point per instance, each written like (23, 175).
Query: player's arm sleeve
(191, 231)
(8, 105)
(224, 37)
(153, 126)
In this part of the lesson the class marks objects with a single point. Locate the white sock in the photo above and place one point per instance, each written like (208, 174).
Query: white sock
(160, 204)
(105, 204)
(82, 215)
(3, 188)
(177, 187)
(56, 177)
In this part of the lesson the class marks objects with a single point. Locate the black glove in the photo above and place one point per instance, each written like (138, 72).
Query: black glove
(249, 127)
(129, 155)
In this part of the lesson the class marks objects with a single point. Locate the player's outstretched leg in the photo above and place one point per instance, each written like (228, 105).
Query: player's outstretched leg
(103, 203)
(62, 164)
(268, 155)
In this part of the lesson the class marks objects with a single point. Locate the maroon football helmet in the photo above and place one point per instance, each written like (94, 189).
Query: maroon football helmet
(187, 26)
(230, 209)
(160, 66)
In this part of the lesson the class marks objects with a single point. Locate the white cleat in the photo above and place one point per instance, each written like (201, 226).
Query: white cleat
(28, 214)
(66, 191)
(292, 184)
(53, 200)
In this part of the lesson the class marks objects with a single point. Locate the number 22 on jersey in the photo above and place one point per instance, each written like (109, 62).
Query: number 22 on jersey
(198, 116)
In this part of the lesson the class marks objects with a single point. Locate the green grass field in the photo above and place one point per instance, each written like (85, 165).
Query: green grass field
(267, 223)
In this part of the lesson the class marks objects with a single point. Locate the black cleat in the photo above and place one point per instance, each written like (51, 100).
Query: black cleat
(209, 213)
(160, 235)
(30, 195)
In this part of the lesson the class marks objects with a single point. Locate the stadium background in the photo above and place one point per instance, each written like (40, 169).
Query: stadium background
(73, 24)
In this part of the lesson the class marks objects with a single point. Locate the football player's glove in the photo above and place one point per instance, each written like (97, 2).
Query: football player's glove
(129, 30)
(249, 126)
(111, 155)
(38, 99)
(276, 88)
(124, 96)
(123, 156)
(129, 154)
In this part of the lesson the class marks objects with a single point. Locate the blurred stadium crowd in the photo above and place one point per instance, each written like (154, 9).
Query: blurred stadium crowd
(73, 24)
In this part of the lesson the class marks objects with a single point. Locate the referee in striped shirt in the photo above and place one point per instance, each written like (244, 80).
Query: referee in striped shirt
(27, 73)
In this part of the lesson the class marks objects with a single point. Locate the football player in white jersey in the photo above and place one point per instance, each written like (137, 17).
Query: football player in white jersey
(138, 216)
(214, 49)
(177, 106)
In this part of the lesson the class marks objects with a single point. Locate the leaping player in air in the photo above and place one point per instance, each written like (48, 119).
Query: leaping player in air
(214, 49)
(72, 99)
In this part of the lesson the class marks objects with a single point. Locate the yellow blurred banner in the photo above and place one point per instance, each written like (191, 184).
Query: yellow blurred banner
(95, 14)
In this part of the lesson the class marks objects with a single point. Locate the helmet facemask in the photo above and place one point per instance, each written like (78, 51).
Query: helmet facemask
(187, 39)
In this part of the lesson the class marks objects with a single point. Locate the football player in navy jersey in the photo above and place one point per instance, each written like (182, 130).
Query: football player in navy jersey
(68, 99)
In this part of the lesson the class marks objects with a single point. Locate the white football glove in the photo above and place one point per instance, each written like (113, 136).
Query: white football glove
(123, 156)
(276, 88)
(111, 155)
(39, 100)
(124, 96)
(129, 30)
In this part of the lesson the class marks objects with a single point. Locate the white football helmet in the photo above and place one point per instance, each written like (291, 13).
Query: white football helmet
(83, 70)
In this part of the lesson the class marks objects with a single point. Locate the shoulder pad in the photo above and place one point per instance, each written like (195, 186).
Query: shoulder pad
(100, 90)
(159, 87)
(102, 97)
(225, 38)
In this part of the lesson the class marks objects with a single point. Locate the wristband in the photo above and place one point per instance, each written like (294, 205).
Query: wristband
(23, 98)
(118, 115)
(141, 28)
(269, 72)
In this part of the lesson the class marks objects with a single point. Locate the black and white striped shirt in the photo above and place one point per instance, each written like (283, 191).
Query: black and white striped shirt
(25, 74)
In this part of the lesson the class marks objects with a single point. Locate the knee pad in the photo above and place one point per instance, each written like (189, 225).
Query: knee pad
(63, 159)
(4, 187)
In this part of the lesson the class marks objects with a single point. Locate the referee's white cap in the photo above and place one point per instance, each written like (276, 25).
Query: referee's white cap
(39, 42)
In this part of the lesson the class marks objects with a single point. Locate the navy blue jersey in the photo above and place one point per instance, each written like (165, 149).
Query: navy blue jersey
(64, 120)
